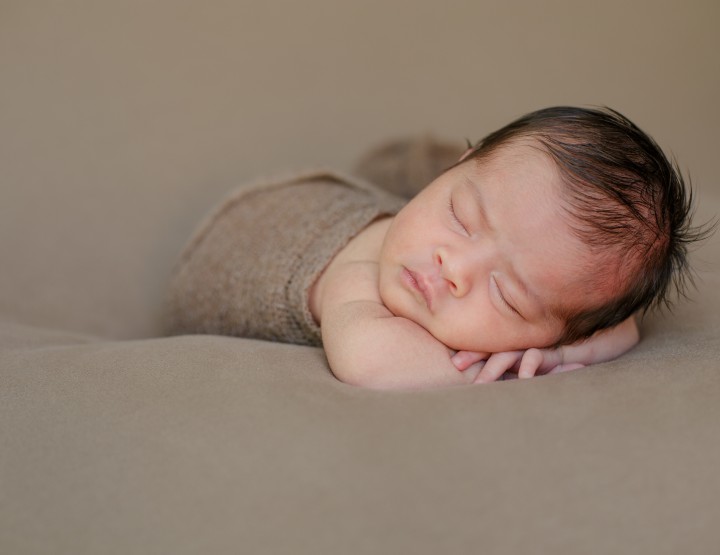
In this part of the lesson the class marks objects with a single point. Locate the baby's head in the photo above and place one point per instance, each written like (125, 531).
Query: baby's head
(562, 223)
(624, 199)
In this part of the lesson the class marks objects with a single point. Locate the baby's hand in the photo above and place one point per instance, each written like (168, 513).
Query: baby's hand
(464, 359)
(524, 363)
(602, 346)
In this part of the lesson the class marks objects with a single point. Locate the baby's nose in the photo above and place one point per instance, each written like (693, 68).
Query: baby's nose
(454, 270)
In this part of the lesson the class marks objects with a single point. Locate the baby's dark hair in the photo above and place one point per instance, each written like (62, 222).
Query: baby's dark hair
(626, 201)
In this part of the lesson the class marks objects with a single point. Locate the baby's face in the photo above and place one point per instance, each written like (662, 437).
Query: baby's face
(482, 256)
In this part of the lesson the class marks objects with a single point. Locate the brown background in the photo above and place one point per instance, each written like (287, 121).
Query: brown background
(121, 123)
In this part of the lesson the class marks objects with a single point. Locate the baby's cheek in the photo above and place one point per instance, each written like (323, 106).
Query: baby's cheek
(390, 296)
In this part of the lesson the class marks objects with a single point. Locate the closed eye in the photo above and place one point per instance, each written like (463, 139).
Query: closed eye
(502, 298)
(453, 214)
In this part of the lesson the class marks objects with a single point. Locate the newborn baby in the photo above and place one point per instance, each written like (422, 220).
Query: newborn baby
(530, 255)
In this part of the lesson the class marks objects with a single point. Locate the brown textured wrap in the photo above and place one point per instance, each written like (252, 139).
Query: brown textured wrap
(248, 269)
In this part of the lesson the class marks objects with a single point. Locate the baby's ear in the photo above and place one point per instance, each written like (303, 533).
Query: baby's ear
(465, 154)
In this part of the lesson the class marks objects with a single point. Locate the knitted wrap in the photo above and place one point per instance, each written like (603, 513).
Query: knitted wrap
(248, 269)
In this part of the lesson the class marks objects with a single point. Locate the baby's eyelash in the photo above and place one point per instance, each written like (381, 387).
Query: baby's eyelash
(511, 307)
(451, 208)
(503, 300)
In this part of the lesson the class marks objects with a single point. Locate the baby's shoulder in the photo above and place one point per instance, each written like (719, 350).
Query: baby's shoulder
(352, 274)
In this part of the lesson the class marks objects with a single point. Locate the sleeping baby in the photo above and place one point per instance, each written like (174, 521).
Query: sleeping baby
(530, 255)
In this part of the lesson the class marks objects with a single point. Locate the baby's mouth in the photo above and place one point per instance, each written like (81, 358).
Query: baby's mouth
(419, 284)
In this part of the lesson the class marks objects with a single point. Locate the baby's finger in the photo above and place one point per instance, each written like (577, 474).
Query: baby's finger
(566, 368)
(472, 371)
(531, 361)
(464, 359)
(496, 366)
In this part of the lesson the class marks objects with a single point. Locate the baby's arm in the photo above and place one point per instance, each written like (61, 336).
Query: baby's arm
(605, 345)
(367, 345)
